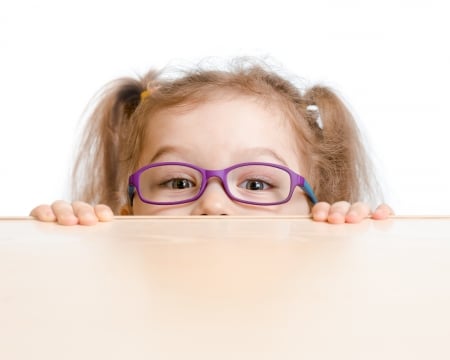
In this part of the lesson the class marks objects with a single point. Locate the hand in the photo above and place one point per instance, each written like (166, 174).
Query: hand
(344, 212)
(75, 213)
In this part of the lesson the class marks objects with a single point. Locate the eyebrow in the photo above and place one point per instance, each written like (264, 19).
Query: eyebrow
(249, 154)
(262, 151)
(168, 149)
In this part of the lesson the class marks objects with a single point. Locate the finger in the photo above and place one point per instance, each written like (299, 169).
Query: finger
(85, 213)
(357, 212)
(338, 212)
(64, 213)
(320, 211)
(43, 213)
(103, 212)
(382, 212)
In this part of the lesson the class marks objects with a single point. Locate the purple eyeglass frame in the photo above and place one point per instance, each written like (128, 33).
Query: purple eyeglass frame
(296, 180)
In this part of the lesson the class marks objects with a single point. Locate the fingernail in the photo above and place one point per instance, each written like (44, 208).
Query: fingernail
(106, 214)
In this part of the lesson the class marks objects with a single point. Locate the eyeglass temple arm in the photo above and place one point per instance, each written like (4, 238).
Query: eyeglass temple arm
(309, 191)
(131, 190)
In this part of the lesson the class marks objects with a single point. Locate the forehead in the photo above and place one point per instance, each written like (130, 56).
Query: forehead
(221, 131)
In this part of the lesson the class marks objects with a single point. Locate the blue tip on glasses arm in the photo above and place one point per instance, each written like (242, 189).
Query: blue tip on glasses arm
(309, 191)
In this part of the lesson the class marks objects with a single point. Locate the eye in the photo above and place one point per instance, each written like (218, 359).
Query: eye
(255, 185)
(178, 183)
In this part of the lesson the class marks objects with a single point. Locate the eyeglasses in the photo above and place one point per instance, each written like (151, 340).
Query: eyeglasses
(255, 183)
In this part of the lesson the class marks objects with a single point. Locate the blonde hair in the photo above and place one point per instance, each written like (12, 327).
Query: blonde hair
(336, 164)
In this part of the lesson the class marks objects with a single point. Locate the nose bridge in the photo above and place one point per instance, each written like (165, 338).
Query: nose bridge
(219, 177)
(215, 199)
(217, 174)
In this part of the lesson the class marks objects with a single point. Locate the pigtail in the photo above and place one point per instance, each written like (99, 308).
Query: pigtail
(341, 171)
(100, 165)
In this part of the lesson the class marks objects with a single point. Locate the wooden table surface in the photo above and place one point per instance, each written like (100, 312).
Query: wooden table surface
(225, 288)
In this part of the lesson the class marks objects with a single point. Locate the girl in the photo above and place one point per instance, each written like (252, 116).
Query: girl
(240, 141)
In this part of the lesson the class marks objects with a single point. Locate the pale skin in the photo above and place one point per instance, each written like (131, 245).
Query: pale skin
(214, 135)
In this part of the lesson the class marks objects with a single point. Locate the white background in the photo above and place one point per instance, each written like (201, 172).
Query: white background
(389, 59)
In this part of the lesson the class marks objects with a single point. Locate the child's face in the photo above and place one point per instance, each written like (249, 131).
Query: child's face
(215, 135)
